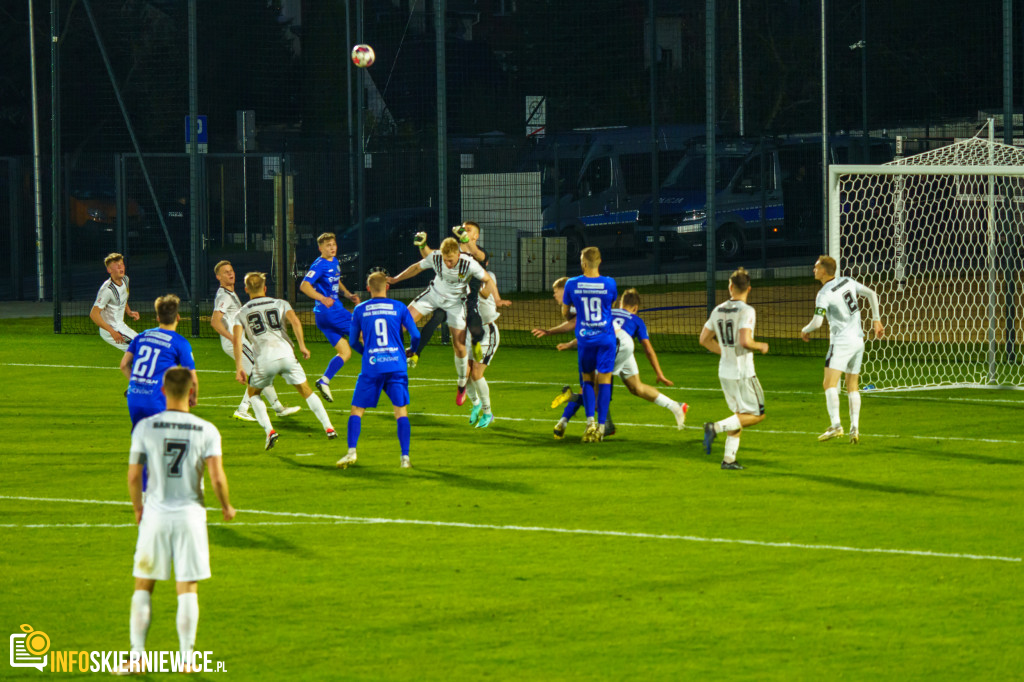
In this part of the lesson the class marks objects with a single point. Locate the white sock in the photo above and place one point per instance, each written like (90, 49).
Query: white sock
(317, 406)
(832, 403)
(471, 392)
(271, 395)
(485, 394)
(563, 422)
(664, 401)
(139, 623)
(462, 367)
(732, 446)
(728, 424)
(259, 410)
(854, 399)
(244, 405)
(188, 622)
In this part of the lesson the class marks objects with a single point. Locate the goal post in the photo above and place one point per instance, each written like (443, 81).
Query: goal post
(941, 244)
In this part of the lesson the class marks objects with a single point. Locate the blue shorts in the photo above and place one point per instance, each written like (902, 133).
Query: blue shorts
(369, 386)
(140, 407)
(335, 322)
(597, 356)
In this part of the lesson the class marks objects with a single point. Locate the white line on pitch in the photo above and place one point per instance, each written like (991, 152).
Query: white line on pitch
(338, 522)
(571, 531)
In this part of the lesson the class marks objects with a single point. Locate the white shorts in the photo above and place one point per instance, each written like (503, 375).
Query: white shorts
(744, 396)
(249, 355)
(430, 300)
(265, 370)
(177, 537)
(846, 357)
(127, 332)
(625, 363)
(489, 342)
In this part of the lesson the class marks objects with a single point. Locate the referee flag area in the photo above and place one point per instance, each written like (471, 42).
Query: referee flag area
(506, 554)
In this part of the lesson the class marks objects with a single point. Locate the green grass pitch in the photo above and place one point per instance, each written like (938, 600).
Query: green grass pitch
(506, 555)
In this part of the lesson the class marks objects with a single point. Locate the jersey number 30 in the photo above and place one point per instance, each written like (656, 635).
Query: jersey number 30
(258, 326)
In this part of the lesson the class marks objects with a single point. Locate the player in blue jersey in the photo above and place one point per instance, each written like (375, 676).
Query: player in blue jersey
(592, 296)
(152, 353)
(376, 333)
(322, 284)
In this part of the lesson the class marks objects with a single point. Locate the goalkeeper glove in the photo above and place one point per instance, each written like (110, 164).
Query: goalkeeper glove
(461, 234)
(420, 239)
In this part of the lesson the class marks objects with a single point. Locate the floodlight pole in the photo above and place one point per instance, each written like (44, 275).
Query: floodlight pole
(56, 204)
(710, 87)
(36, 170)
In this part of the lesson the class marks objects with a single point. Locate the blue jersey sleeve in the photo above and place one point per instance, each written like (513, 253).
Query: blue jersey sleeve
(314, 272)
(355, 327)
(185, 357)
(410, 326)
(641, 328)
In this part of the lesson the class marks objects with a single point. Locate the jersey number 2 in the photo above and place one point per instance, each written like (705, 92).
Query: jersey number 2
(850, 301)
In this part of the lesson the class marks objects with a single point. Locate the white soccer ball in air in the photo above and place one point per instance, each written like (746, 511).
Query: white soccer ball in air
(362, 56)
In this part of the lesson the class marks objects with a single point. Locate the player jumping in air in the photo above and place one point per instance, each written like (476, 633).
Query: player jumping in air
(837, 302)
(225, 305)
(448, 291)
(322, 284)
(479, 391)
(261, 321)
(112, 305)
(729, 333)
(376, 333)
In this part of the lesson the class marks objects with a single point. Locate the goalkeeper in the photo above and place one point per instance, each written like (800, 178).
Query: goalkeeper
(468, 234)
(837, 302)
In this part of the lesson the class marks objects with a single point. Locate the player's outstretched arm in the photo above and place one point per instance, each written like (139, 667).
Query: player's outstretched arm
(568, 345)
(300, 338)
(193, 396)
(410, 271)
(708, 340)
(491, 288)
(652, 358)
(419, 240)
(566, 327)
(748, 342)
(219, 481)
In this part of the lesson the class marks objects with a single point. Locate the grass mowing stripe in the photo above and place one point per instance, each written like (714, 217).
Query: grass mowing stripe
(566, 531)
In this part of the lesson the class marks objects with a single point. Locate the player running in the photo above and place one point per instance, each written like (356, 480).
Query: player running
(172, 528)
(260, 320)
(322, 284)
(729, 333)
(376, 333)
(225, 306)
(448, 291)
(592, 296)
(837, 302)
(112, 305)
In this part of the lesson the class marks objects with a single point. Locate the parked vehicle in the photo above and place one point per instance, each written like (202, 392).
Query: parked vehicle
(92, 207)
(772, 197)
(614, 179)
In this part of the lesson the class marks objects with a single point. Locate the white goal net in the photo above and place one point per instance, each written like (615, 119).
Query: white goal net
(939, 237)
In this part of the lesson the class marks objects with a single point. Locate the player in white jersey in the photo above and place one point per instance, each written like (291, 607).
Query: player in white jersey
(172, 527)
(448, 292)
(477, 389)
(261, 321)
(112, 305)
(729, 333)
(837, 302)
(225, 305)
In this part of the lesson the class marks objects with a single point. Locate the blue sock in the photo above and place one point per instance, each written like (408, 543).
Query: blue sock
(589, 398)
(404, 435)
(604, 397)
(571, 408)
(355, 425)
(333, 367)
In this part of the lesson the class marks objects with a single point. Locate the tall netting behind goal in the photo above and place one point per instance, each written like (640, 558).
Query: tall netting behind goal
(939, 237)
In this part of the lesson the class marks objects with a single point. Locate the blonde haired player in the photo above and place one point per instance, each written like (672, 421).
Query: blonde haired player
(111, 305)
(261, 320)
(448, 291)
(226, 305)
(729, 333)
(837, 302)
(172, 527)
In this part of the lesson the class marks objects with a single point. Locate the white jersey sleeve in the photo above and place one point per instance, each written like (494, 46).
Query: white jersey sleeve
(486, 306)
(174, 446)
(228, 304)
(112, 299)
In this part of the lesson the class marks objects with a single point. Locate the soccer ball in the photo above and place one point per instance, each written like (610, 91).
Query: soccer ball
(362, 56)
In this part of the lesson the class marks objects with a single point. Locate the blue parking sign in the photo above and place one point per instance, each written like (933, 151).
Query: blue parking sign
(201, 133)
